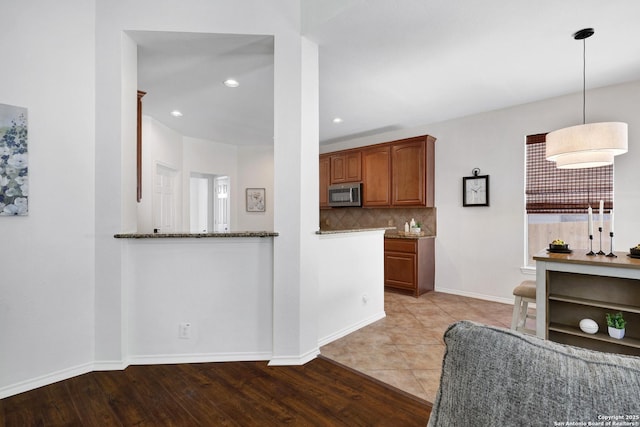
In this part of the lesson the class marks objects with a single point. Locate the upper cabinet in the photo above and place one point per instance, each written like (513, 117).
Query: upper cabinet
(412, 172)
(376, 180)
(346, 167)
(393, 174)
(325, 162)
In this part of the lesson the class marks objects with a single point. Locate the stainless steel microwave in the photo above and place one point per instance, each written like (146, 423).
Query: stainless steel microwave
(347, 194)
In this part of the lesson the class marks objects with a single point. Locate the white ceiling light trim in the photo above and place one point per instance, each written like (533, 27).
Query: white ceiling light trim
(587, 145)
(231, 83)
(176, 113)
(337, 120)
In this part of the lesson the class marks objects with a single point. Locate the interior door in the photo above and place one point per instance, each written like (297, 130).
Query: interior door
(221, 203)
(164, 200)
(199, 201)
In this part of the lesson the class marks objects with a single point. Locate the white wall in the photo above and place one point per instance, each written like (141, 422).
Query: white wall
(47, 262)
(479, 251)
(222, 287)
(255, 170)
(351, 283)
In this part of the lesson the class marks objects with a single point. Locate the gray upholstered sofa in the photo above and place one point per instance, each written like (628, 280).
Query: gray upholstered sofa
(496, 377)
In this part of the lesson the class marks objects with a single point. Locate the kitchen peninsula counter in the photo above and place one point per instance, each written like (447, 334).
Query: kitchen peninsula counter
(195, 235)
(353, 230)
(390, 233)
(413, 236)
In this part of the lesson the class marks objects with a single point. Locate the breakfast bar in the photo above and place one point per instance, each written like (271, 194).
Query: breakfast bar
(575, 286)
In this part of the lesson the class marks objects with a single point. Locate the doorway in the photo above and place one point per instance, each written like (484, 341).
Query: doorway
(209, 203)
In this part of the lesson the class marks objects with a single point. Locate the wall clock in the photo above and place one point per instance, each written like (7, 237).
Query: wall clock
(475, 189)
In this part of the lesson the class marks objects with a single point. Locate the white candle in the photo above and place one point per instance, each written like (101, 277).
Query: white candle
(601, 214)
(590, 211)
(611, 215)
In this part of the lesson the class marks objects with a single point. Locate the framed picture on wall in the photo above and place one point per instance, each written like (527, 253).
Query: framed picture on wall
(255, 200)
(14, 170)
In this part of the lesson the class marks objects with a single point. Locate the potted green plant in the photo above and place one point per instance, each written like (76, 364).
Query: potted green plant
(616, 324)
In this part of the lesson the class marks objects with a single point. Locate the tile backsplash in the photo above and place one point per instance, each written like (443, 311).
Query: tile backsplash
(352, 218)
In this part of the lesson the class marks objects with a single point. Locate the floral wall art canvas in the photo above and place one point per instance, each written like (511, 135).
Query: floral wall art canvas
(14, 182)
(255, 200)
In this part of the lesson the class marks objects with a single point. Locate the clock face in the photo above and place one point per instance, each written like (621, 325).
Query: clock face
(475, 191)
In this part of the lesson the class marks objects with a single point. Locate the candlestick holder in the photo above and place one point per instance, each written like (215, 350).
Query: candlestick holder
(600, 252)
(611, 254)
(591, 253)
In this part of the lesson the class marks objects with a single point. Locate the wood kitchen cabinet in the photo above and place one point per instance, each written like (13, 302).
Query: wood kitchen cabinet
(376, 176)
(409, 265)
(393, 174)
(412, 172)
(399, 173)
(346, 167)
(325, 163)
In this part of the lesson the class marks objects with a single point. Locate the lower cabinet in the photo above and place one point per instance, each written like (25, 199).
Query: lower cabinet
(409, 265)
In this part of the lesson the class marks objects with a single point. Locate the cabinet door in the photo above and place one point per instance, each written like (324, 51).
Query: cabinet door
(400, 270)
(376, 176)
(346, 167)
(412, 176)
(338, 168)
(353, 166)
(408, 173)
(324, 181)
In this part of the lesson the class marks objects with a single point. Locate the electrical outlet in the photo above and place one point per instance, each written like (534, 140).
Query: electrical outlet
(184, 330)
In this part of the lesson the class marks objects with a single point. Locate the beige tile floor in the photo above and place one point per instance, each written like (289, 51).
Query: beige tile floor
(405, 348)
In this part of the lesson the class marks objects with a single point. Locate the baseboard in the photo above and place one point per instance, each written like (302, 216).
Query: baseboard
(109, 365)
(475, 295)
(346, 331)
(170, 359)
(294, 360)
(44, 380)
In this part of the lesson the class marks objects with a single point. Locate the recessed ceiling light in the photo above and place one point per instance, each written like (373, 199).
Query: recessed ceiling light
(337, 120)
(231, 83)
(176, 113)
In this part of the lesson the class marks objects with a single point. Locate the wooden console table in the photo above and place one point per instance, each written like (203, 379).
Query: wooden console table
(571, 287)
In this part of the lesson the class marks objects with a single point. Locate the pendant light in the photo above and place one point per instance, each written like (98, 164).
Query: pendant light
(587, 145)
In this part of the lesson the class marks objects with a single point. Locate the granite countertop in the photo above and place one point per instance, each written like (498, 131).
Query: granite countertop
(195, 235)
(402, 235)
(353, 230)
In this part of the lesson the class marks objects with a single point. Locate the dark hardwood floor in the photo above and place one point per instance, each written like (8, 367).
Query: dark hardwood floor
(320, 393)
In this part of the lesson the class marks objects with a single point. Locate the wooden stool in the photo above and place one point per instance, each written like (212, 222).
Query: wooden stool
(525, 293)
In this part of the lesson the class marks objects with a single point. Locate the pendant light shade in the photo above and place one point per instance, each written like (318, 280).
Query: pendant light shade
(584, 160)
(588, 145)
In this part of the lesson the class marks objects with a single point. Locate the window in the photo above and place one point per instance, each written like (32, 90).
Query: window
(557, 201)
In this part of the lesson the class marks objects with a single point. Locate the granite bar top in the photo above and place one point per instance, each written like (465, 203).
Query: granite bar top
(195, 235)
(353, 230)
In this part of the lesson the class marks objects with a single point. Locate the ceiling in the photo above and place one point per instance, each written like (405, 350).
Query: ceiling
(186, 71)
(393, 64)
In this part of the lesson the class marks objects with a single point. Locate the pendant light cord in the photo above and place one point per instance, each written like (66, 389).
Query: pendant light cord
(584, 81)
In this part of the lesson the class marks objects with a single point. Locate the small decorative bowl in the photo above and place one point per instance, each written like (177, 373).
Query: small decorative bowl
(553, 247)
(635, 251)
